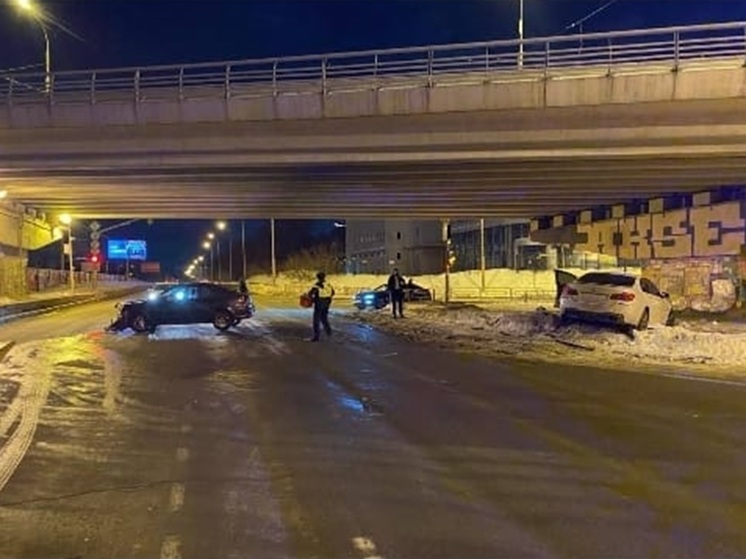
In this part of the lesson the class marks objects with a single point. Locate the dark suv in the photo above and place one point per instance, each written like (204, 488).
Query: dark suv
(188, 303)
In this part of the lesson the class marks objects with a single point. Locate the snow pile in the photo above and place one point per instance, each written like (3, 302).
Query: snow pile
(540, 335)
(679, 344)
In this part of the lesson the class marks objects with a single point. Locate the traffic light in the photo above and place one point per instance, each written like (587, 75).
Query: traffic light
(94, 258)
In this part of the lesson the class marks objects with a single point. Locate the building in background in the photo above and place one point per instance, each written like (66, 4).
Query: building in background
(506, 245)
(378, 246)
(416, 246)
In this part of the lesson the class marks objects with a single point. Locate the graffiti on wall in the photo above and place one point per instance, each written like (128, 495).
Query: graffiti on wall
(702, 284)
(718, 230)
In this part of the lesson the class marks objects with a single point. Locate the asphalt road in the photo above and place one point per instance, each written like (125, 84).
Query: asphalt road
(255, 443)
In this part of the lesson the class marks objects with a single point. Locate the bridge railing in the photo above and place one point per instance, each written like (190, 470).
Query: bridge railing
(542, 58)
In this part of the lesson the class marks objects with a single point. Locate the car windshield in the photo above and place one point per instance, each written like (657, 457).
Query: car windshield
(599, 278)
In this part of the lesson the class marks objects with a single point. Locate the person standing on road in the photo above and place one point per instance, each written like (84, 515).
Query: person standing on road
(321, 294)
(396, 291)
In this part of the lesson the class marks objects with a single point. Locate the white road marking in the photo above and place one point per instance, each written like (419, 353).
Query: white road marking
(186, 428)
(171, 548)
(366, 547)
(182, 454)
(176, 499)
(711, 380)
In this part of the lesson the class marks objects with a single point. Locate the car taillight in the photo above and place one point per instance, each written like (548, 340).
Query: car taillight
(625, 296)
(569, 291)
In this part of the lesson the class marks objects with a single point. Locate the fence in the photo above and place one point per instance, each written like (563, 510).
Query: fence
(40, 279)
(461, 294)
(663, 48)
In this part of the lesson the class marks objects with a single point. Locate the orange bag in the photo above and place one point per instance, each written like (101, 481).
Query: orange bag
(305, 301)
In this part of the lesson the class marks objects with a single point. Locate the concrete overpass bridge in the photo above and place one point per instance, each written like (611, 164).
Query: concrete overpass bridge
(447, 131)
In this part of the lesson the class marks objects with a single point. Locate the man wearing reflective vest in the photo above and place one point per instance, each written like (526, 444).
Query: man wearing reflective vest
(321, 294)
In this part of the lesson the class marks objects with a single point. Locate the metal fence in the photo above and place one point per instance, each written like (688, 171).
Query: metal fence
(42, 279)
(546, 57)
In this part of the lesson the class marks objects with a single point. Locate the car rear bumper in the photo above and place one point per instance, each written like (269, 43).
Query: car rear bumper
(603, 317)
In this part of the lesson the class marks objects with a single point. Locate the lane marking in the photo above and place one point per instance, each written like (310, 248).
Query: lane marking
(710, 380)
(182, 454)
(176, 499)
(366, 547)
(171, 548)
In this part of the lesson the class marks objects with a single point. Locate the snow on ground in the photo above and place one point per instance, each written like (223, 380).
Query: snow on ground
(538, 335)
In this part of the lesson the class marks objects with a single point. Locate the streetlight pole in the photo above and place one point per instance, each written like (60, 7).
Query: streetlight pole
(67, 221)
(36, 13)
(220, 265)
(520, 34)
(47, 59)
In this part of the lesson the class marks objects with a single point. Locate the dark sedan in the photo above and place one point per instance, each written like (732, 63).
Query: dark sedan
(190, 303)
(379, 297)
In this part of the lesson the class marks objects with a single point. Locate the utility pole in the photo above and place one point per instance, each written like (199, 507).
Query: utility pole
(447, 257)
(274, 258)
(482, 258)
(243, 245)
(230, 257)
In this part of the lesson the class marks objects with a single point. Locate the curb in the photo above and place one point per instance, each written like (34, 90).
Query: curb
(57, 304)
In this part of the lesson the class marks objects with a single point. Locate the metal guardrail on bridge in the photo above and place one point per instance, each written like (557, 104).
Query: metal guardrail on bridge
(544, 58)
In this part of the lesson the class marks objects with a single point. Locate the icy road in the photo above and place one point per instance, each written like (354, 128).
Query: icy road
(254, 443)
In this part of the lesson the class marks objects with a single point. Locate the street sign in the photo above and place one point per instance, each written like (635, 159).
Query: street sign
(150, 267)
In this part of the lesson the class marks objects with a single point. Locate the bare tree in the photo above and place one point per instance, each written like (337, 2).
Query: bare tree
(303, 265)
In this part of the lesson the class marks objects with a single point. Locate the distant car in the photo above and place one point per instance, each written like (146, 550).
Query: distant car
(379, 297)
(615, 298)
(189, 303)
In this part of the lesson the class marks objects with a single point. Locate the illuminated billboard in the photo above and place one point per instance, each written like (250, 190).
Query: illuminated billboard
(121, 249)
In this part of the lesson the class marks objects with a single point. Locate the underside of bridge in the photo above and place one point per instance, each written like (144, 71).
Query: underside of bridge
(504, 163)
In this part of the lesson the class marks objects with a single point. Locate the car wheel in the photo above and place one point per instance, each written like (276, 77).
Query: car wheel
(139, 324)
(642, 325)
(223, 320)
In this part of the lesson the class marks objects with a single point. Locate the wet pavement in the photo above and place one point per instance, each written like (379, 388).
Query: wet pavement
(255, 443)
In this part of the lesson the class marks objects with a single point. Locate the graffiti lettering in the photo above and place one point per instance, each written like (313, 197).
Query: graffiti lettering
(717, 230)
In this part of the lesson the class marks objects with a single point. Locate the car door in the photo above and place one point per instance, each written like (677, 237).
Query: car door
(561, 279)
(168, 307)
(655, 301)
(206, 303)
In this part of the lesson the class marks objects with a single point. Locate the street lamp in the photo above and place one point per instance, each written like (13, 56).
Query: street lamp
(37, 14)
(223, 226)
(520, 34)
(207, 245)
(67, 221)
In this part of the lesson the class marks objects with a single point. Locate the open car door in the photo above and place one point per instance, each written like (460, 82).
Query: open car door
(561, 279)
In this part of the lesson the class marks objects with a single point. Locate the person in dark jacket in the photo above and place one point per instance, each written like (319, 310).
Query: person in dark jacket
(321, 294)
(395, 286)
(243, 289)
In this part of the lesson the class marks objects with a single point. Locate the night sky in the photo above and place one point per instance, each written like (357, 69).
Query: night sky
(140, 32)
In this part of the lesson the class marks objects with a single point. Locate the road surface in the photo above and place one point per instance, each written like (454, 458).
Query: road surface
(255, 443)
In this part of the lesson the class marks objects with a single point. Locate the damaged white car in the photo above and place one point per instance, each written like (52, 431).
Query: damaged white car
(615, 298)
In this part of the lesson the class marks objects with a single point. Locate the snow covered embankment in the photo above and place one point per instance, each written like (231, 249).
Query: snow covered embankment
(538, 335)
